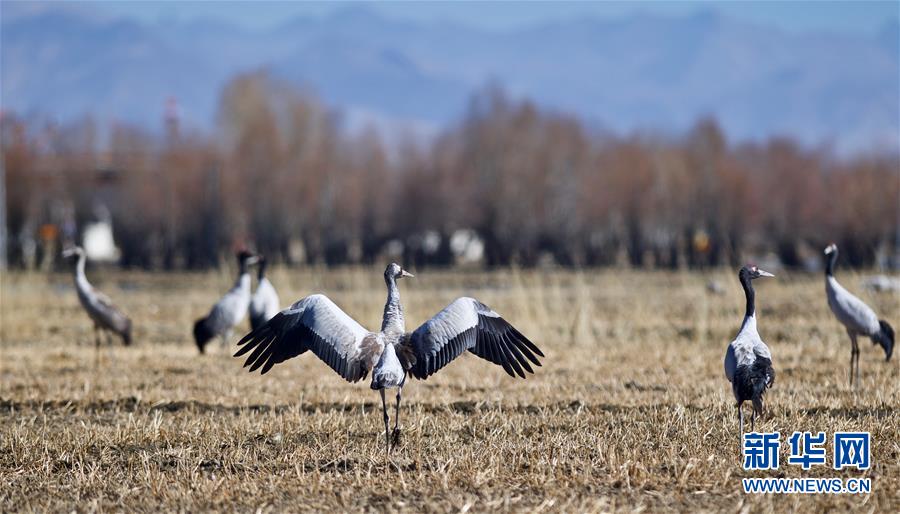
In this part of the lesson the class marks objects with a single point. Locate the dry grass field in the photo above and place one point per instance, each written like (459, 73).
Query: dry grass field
(630, 412)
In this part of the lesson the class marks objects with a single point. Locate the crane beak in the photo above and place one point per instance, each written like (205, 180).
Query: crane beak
(68, 252)
(406, 274)
(764, 273)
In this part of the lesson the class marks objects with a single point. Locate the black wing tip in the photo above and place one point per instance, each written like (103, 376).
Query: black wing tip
(527, 342)
(247, 343)
(250, 335)
(513, 356)
(241, 351)
(525, 349)
(257, 335)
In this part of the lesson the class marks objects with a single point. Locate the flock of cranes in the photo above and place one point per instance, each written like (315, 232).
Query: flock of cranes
(317, 324)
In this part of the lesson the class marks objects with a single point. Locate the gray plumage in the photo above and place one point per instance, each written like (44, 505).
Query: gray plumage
(106, 317)
(264, 304)
(748, 361)
(467, 324)
(316, 324)
(230, 310)
(857, 317)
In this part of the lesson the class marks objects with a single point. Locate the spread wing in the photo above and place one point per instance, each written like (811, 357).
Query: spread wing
(314, 323)
(467, 324)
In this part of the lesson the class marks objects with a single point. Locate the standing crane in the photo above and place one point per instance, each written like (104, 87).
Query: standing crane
(748, 361)
(857, 317)
(107, 318)
(230, 310)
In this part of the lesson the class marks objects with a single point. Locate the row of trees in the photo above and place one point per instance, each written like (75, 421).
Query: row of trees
(281, 176)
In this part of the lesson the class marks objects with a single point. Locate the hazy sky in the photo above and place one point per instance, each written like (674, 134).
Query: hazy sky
(852, 17)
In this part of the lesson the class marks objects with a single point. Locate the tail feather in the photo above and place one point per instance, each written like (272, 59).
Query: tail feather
(126, 334)
(885, 337)
(751, 382)
(758, 405)
(761, 382)
(202, 334)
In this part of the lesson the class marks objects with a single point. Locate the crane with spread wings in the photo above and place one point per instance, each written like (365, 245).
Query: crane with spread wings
(316, 324)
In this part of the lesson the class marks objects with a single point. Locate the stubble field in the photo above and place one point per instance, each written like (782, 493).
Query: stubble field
(630, 411)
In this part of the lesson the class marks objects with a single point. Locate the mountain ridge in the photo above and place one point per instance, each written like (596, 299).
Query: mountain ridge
(640, 72)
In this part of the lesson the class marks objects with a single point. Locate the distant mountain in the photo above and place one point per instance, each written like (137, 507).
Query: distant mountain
(642, 72)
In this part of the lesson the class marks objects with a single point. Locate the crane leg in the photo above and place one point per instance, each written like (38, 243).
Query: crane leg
(753, 421)
(110, 341)
(395, 435)
(96, 345)
(741, 418)
(387, 437)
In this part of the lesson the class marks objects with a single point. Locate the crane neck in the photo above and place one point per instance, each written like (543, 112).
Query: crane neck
(749, 324)
(830, 262)
(393, 311)
(243, 280)
(80, 277)
(749, 294)
(261, 271)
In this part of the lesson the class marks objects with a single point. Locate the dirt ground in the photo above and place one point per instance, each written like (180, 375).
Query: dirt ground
(630, 412)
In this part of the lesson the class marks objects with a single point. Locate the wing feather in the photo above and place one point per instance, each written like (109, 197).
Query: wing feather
(507, 357)
(527, 347)
(467, 324)
(110, 315)
(314, 324)
(517, 354)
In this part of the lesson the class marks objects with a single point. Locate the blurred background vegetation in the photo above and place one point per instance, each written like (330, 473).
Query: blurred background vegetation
(510, 181)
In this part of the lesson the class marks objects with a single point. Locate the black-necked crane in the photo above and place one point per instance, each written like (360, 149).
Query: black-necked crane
(107, 318)
(748, 361)
(230, 310)
(857, 317)
(315, 323)
(264, 304)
